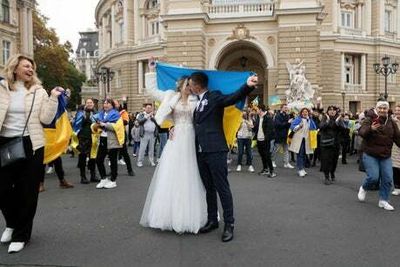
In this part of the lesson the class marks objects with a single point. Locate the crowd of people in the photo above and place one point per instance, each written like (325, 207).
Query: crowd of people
(109, 135)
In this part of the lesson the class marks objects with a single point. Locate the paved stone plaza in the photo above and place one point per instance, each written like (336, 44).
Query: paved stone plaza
(285, 221)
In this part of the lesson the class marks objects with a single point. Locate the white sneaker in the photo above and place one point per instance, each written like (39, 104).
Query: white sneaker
(102, 183)
(121, 162)
(110, 184)
(152, 163)
(288, 166)
(134, 154)
(15, 247)
(7, 235)
(239, 168)
(140, 164)
(396, 192)
(385, 205)
(302, 173)
(49, 170)
(274, 164)
(362, 194)
(251, 168)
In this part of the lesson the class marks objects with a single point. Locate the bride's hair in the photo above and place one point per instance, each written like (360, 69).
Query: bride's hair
(181, 83)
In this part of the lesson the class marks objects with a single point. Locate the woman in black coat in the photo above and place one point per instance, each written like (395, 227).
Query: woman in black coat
(330, 128)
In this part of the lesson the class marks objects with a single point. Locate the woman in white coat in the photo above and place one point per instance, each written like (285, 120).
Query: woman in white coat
(300, 143)
(176, 199)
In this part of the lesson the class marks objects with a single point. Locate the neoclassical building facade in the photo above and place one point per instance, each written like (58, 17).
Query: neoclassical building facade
(338, 42)
(16, 33)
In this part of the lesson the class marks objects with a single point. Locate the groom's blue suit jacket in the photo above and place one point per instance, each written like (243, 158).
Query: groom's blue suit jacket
(208, 122)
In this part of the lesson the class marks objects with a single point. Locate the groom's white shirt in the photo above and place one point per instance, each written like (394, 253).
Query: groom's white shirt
(200, 99)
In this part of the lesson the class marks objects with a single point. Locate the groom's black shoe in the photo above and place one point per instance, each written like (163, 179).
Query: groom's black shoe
(209, 227)
(228, 233)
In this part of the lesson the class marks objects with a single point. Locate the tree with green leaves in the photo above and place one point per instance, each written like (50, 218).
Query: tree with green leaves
(52, 58)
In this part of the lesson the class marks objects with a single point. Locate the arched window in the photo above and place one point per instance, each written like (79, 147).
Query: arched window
(5, 11)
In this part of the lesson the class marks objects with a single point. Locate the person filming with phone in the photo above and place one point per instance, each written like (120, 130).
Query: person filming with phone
(379, 132)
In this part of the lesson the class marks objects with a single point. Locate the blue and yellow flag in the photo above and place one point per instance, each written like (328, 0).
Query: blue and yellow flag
(274, 100)
(224, 81)
(58, 133)
(115, 119)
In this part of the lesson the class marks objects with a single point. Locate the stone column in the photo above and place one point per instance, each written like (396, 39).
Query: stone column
(140, 77)
(335, 11)
(367, 17)
(342, 71)
(381, 18)
(113, 28)
(136, 20)
(398, 19)
(359, 17)
(363, 71)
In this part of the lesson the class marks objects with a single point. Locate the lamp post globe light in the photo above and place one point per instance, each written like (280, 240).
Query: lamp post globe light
(386, 69)
(105, 75)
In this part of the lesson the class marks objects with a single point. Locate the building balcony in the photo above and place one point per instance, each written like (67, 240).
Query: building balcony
(353, 88)
(151, 39)
(240, 8)
(351, 31)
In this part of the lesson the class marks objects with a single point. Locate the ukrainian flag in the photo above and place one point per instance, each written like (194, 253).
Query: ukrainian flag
(223, 81)
(76, 126)
(58, 133)
(115, 119)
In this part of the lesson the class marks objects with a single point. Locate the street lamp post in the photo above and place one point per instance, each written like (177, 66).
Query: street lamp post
(105, 75)
(386, 69)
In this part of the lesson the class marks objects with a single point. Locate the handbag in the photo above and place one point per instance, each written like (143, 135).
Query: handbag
(14, 151)
(327, 142)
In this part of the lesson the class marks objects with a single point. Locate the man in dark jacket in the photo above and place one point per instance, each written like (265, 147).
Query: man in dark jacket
(264, 133)
(212, 149)
(282, 124)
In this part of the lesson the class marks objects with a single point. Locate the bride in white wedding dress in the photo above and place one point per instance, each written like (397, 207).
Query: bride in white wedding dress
(176, 199)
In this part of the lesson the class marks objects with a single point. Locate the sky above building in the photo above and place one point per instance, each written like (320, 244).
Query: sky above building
(69, 17)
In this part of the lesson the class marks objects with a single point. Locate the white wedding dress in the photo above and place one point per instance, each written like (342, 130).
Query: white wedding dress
(176, 199)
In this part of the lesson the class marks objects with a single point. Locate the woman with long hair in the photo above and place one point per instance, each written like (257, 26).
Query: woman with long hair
(24, 107)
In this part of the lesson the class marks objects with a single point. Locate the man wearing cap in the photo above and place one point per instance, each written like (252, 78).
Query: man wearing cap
(378, 132)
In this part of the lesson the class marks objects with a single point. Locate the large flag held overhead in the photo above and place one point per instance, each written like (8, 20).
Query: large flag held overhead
(58, 133)
(224, 81)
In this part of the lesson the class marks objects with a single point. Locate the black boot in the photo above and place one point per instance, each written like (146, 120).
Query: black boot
(93, 177)
(333, 178)
(84, 180)
(327, 180)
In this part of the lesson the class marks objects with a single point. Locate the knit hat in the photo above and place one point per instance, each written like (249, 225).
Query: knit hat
(381, 103)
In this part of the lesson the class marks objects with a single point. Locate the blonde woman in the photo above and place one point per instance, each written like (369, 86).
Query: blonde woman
(176, 199)
(19, 183)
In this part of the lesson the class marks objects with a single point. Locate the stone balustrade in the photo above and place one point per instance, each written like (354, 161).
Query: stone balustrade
(229, 9)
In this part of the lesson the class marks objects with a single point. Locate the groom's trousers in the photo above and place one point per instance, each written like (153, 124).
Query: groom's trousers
(214, 173)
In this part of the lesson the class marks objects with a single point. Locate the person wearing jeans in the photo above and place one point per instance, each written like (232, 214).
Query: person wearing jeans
(148, 133)
(379, 132)
(244, 137)
(300, 142)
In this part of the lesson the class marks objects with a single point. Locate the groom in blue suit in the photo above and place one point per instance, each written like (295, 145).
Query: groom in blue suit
(212, 149)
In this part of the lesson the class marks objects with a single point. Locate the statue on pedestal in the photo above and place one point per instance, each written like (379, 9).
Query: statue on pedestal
(300, 93)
